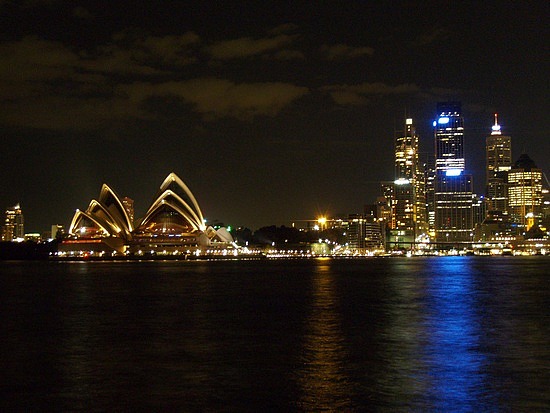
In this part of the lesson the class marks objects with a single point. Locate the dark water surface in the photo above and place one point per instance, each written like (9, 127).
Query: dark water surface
(465, 334)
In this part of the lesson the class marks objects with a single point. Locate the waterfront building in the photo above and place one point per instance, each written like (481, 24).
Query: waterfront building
(14, 224)
(409, 200)
(385, 203)
(495, 227)
(173, 224)
(480, 207)
(546, 208)
(381, 213)
(33, 237)
(57, 231)
(453, 188)
(498, 150)
(364, 233)
(525, 195)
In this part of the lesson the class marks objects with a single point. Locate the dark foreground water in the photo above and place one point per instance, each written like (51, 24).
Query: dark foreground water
(465, 334)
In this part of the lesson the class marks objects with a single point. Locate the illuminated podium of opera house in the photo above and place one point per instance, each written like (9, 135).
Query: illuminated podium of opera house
(173, 225)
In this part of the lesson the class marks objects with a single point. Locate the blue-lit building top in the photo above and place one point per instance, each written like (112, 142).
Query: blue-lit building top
(449, 139)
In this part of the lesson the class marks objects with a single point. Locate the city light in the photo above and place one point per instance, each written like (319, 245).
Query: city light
(453, 172)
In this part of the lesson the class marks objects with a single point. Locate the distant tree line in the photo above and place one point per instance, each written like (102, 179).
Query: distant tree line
(28, 250)
(285, 235)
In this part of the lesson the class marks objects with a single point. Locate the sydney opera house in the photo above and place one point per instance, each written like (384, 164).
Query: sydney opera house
(173, 225)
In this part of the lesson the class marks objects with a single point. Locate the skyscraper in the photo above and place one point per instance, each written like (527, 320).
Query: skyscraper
(525, 193)
(452, 187)
(429, 172)
(128, 204)
(409, 204)
(498, 150)
(13, 224)
(449, 138)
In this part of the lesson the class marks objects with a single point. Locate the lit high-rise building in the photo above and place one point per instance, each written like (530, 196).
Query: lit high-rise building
(409, 200)
(498, 151)
(452, 186)
(128, 204)
(525, 193)
(429, 172)
(449, 138)
(14, 227)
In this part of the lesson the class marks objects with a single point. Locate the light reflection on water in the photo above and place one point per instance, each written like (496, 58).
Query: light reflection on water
(322, 377)
(453, 359)
(441, 334)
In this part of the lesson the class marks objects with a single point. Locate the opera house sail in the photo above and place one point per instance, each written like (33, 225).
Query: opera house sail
(173, 224)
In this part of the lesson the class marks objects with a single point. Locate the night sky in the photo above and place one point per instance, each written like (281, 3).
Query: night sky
(270, 112)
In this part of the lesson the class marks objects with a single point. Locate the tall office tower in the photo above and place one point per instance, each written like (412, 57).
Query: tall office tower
(13, 224)
(356, 231)
(452, 187)
(480, 206)
(429, 180)
(525, 193)
(409, 206)
(387, 190)
(498, 151)
(128, 204)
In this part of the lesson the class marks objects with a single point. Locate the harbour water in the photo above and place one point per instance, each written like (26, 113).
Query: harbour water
(464, 334)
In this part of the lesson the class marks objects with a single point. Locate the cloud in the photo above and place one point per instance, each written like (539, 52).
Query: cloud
(34, 59)
(44, 84)
(284, 28)
(247, 46)
(435, 34)
(65, 113)
(82, 13)
(358, 94)
(342, 51)
(139, 54)
(171, 47)
(217, 98)
(288, 55)
(115, 60)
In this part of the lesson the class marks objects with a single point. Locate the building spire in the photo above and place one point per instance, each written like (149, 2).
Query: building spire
(496, 126)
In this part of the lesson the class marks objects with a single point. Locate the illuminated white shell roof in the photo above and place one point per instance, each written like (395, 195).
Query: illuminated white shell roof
(108, 216)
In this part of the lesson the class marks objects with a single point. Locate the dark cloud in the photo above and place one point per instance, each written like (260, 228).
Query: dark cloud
(82, 13)
(46, 85)
(343, 51)
(288, 55)
(284, 28)
(139, 54)
(219, 97)
(35, 59)
(431, 36)
(359, 94)
(247, 46)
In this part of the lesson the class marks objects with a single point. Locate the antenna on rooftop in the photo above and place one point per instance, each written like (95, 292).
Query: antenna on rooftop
(496, 126)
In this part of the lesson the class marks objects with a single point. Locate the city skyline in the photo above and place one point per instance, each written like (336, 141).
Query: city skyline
(269, 117)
